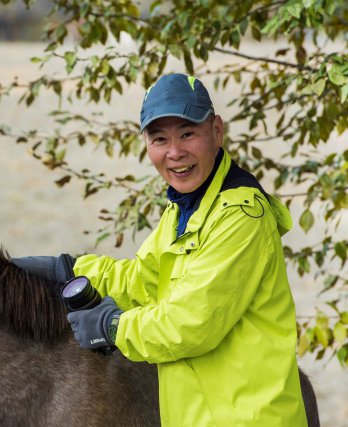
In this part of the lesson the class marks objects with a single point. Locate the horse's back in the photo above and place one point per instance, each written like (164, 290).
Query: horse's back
(63, 385)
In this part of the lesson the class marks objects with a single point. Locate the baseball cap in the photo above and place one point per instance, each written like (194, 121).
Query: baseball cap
(176, 95)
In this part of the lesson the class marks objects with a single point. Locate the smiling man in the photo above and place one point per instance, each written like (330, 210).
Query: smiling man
(184, 152)
(207, 297)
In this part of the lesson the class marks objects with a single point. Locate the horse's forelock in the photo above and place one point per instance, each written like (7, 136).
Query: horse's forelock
(30, 306)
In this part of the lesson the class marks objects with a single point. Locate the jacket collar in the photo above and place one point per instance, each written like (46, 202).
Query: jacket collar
(198, 217)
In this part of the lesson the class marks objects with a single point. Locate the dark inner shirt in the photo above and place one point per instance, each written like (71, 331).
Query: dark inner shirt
(189, 202)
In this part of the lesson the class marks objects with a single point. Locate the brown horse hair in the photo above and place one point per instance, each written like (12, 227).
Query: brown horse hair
(30, 306)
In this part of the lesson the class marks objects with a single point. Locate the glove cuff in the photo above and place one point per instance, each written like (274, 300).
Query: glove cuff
(62, 269)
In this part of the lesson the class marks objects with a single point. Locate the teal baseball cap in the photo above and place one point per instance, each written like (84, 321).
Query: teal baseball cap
(176, 95)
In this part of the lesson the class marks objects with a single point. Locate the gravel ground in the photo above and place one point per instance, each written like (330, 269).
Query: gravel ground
(37, 218)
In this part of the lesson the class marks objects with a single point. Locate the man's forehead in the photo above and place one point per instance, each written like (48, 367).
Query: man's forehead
(168, 122)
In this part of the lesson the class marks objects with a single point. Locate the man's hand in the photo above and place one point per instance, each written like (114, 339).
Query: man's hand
(97, 326)
(56, 269)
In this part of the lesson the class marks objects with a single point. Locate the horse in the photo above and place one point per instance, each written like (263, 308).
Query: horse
(47, 380)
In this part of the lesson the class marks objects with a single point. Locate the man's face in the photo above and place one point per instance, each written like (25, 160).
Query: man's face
(184, 152)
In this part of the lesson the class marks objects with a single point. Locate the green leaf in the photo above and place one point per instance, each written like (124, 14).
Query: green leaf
(85, 9)
(341, 250)
(303, 345)
(344, 93)
(60, 33)
(204, 52)
(306, 220)
(35, 60)
(255, 31)
(331, 5)
(344, 317)
(342, 355)
(60, 155)
(57, 87)
(319, 86)
(340, 332)
(319, 259)
(188, 62)
(322, 320)
(105, 66)
(102, 237)
(338, 74)
(329, 282)
(295, 9)
(272, 25)
(256, 153)
(322, 335)
(155, 5)
(70, 60)
(308, 3)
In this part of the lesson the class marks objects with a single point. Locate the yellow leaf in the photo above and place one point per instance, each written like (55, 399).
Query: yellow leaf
(322, 335)
(303, 345)
(340, 332)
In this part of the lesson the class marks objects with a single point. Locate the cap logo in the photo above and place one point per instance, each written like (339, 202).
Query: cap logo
(191, 80)
(148, 91)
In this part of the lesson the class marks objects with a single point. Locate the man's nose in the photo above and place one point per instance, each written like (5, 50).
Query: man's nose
(176, 150)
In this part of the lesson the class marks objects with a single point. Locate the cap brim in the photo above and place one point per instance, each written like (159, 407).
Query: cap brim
(186, 111)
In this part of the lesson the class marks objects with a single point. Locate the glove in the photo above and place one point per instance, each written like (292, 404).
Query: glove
(96, 327)
(56, 269)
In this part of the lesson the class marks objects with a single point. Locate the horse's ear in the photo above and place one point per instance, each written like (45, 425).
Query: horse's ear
(4, 255)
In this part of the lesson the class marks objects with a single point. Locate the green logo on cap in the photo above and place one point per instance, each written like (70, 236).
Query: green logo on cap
(191, 80)
(148, 91)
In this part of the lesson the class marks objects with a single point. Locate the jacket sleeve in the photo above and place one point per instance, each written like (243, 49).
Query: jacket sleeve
(208, 301)
(131, 283)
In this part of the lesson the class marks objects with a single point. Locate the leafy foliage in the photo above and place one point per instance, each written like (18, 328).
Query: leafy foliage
(304, 86)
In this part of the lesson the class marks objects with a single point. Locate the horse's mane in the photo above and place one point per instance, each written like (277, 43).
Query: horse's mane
(30, 306)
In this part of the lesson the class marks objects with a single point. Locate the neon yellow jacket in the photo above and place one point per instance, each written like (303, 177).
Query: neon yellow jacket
(213, 309)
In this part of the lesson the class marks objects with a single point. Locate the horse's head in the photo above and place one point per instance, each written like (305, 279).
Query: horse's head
(30, 306)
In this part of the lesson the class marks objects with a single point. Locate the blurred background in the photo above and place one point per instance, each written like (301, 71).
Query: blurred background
(38, 218)
(19, 23)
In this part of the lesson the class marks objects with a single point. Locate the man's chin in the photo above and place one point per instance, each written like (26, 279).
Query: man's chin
(184, 188)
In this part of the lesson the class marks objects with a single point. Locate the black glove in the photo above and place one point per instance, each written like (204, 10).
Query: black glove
(97, 326)
(56, 269)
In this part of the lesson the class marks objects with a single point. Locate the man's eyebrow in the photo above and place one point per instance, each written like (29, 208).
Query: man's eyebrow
(153, 131)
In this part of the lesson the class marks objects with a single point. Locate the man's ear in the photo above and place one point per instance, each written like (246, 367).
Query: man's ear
(144, 135)
(218, 129)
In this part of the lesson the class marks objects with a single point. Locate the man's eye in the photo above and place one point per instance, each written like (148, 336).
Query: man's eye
(158, 141)
(187, 134)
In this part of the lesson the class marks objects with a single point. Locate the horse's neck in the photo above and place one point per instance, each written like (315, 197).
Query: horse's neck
(30, 306)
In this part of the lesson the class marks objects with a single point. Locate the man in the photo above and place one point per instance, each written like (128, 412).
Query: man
(207, 297)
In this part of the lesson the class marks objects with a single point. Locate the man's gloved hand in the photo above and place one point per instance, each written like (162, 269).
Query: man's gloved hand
(56, 269)
(97, 326)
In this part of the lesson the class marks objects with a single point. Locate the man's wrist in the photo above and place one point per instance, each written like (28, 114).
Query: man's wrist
(112, 325)
(96, 327)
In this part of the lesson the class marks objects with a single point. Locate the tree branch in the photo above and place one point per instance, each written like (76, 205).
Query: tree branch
(264, 59)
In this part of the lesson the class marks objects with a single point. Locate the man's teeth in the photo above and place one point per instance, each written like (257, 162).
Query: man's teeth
(178, 170)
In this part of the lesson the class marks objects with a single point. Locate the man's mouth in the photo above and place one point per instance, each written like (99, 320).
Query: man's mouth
(183, 169)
